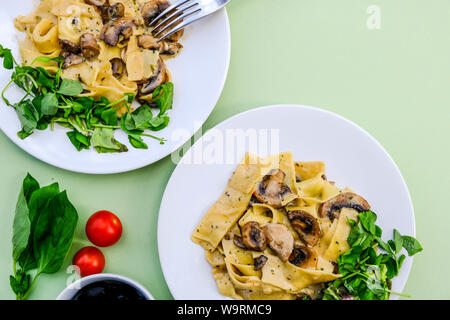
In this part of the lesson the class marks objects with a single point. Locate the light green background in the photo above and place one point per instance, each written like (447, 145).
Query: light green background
(393, 82)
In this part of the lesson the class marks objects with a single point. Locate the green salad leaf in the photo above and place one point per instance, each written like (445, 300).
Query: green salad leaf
(103, 140)
(51, 100)
(70, 88)
(366, 273)
(8, 60)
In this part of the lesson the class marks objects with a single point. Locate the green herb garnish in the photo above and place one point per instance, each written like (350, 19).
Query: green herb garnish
(43, 230)
(366, 275)
(49, 99)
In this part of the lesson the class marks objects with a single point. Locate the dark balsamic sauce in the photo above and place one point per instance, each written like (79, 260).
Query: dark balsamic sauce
(110, 290)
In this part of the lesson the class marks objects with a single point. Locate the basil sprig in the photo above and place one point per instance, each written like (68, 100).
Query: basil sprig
(43, 230)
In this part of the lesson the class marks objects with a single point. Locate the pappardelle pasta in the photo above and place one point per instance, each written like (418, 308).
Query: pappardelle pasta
(106, 45)
(278, 229)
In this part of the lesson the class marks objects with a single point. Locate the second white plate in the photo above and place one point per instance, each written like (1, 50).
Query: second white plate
(353, 158)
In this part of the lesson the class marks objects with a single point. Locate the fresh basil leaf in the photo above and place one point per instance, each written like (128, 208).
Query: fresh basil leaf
(40, 199)
(37, 200)
(70, 87)
(49, 104)
(43, 230)
(38, 203)
(22, 223)
(54, 233)
(20, 284)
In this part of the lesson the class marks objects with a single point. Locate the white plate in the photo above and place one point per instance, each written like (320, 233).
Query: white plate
(353, 158)
(199, 74)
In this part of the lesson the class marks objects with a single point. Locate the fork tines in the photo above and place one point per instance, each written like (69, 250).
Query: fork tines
(171, 20)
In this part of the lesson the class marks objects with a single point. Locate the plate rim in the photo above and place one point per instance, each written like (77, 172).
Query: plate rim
(192, 129)
(406, 270)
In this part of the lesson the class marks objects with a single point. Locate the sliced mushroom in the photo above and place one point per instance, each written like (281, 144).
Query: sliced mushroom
(272, 189)
(113, 12)
(97, 3)
(306, 226)
(332, 207)
(158, 79)
(113, 30)
(89, 46)
(117, 66)
(253, 236)
(147, 41)
(69, 46)
(303, 257)
(280, 239)
(71, 59)
(170, 48)
(153, 8)
(238, 242)
(260, 262)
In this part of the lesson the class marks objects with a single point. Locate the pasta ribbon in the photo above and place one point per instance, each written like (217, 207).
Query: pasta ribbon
(45, 36)
(243, 273)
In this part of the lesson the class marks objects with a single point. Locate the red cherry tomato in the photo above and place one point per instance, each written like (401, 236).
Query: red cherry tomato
(90, 260)
(104, 229)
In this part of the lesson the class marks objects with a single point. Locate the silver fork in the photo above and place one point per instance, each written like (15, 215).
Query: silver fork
(183, 13)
